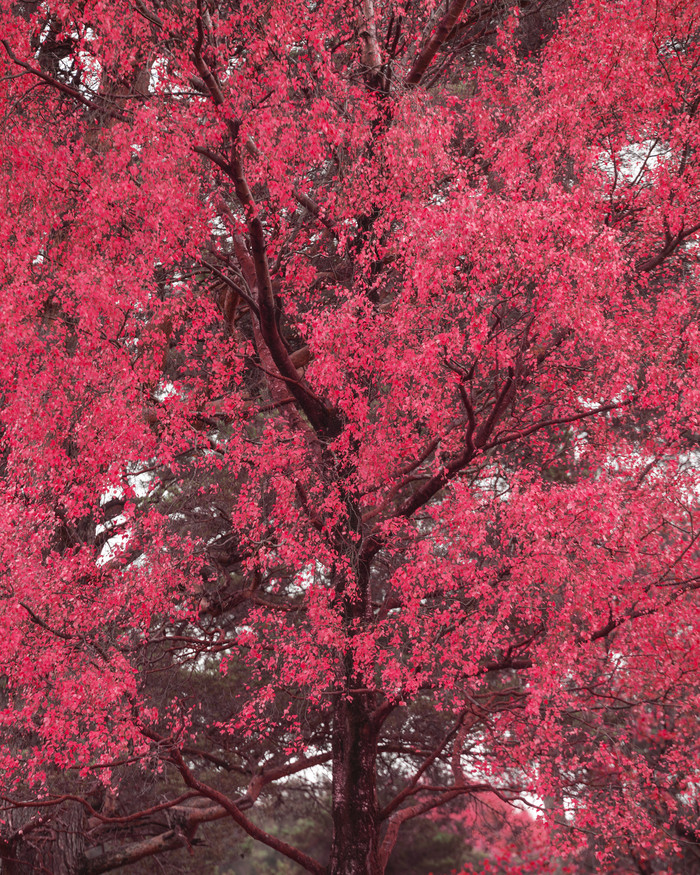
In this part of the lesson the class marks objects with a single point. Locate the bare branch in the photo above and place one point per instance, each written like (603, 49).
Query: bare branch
(442, 797)
(44, 625)
(244, 822)
(206, 74)
(148, 14)
(167, 841)
(413, 783)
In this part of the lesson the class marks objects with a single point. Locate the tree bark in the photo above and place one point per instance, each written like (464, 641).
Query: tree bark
(54, 843)
(355, 849)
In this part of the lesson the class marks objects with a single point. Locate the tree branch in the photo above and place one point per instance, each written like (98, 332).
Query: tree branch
(474, 444)
(44, 625)
(208, 77)
(301, 198)
(441, 798)
(323, 420)
(516, 435)
(244, 822)
(409, 789)
(171, 840)
(60, 86)
(672, 242)
(438, 38)
(487, 428)
(230, 283)
(256, 270)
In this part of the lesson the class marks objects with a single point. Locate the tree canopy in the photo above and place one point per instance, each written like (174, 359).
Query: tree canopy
(350, 371)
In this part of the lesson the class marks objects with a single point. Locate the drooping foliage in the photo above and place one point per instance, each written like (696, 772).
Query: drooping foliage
(349, 412)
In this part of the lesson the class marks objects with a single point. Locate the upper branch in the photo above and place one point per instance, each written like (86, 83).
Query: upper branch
(544, 423)
(671, 243)
(436, 41)
(61, 86)
(474, 442)
(323, 420)
(208, 77)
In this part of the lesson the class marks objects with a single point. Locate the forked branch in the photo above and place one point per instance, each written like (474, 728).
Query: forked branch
(253, 830)
(671, 243)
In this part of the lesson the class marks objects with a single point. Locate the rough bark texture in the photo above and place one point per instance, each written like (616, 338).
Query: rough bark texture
(355, 848)
(53, 843)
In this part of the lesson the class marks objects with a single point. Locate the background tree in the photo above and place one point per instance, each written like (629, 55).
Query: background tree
(349, 364)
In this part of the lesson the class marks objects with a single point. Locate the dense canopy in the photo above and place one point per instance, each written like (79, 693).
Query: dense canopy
(349, 361)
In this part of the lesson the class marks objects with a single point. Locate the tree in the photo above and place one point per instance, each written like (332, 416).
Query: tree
(349, 422)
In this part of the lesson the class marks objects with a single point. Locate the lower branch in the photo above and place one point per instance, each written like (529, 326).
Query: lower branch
(253, 830)
(171, 840)
(440, 798)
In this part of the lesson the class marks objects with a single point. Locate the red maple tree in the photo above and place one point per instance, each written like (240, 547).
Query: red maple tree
(349, 416)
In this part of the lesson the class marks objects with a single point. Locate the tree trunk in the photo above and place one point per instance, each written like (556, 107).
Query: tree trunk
(54, 844)
(355, 849)
(355, 808)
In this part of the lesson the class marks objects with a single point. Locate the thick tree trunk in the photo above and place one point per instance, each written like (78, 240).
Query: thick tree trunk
(355, 849)
(54, 843)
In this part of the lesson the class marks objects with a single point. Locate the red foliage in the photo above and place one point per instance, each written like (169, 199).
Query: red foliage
(350, 366)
